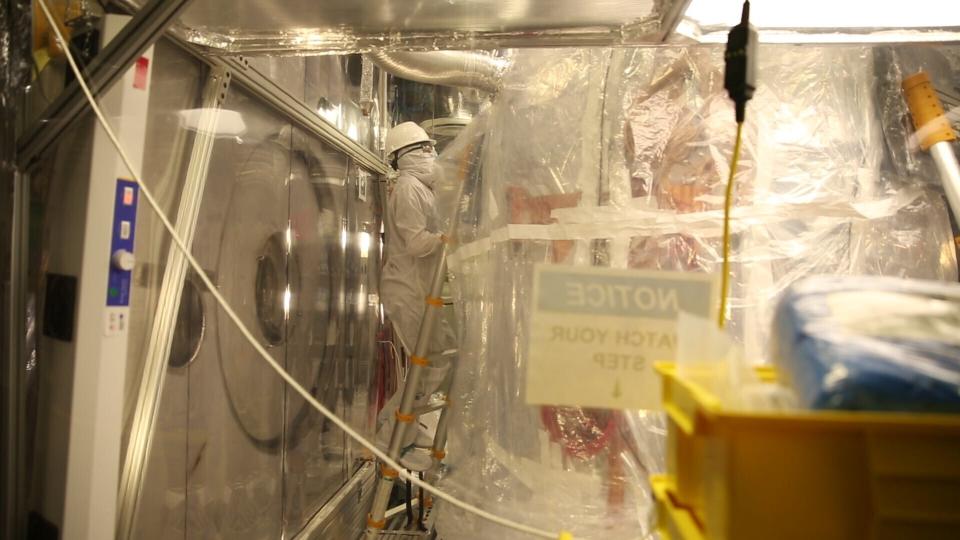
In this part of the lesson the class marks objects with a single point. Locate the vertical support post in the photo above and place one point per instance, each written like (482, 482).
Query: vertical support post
(946, 161)
(383, 92)
(14, 209)
(14, 423)
(168, 305)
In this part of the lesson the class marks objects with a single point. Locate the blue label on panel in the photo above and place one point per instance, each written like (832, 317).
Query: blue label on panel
(124, 226)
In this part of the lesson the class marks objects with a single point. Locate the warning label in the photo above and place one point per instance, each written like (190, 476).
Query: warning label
(596, 332)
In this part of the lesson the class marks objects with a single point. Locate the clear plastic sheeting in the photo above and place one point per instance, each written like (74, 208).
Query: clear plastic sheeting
(619, 158)
(297, 26)
(536, 149)
(812, 193)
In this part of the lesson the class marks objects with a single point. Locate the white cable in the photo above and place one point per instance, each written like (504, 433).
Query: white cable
(246, 333)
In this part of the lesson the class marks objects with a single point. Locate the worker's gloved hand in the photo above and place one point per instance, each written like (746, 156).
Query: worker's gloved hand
(448, 238)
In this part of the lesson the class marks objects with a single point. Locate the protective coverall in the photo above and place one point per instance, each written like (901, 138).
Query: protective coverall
(412, 248)
(413, 241)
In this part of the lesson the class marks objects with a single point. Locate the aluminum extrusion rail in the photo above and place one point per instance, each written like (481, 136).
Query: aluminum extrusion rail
(352, 493)
(294, 109)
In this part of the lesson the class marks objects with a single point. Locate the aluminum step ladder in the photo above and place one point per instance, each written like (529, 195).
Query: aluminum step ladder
(407, 415)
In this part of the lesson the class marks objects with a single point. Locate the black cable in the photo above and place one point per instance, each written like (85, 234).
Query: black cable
(409, 504)
(739, 78)
(420, 525)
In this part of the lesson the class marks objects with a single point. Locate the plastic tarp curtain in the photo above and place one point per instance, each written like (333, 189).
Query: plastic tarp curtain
(619, 158)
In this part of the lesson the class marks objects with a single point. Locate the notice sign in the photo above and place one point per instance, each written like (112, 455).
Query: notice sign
(596, 332)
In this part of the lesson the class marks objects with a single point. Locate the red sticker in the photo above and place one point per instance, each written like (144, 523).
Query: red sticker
(140, 74)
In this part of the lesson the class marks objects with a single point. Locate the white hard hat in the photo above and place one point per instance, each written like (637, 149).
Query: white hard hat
(405, 134)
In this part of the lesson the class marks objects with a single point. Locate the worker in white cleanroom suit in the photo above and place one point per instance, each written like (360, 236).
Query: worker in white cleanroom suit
(413, 244)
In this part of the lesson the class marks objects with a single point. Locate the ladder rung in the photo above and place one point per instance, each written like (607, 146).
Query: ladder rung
(429, 408)
(415, 502)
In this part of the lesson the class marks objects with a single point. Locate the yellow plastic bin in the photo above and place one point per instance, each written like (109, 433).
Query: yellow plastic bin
(674, 522)
(805, 475)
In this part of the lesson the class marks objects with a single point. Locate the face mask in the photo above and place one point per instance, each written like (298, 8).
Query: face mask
(423, 165)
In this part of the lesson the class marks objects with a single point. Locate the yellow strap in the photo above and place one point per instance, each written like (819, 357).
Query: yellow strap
(564, 535)
(405, 418)
(439, 454)
(419, 360)
(376, 524)
(434, 301)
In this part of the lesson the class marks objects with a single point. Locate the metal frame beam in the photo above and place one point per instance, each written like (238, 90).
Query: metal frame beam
(671, 18)
(14, 227)
(147, 25)
(294, 109)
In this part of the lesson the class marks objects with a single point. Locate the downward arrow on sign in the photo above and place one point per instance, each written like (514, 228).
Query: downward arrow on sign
(616, 389)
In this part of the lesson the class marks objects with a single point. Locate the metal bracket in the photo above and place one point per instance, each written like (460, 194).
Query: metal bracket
(168, 305)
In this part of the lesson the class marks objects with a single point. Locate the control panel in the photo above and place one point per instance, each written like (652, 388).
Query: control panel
(120, 274)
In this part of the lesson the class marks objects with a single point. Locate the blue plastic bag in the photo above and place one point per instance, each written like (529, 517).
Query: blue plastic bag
(870, 343)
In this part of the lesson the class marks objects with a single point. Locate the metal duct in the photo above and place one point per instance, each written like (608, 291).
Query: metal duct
(445, 68)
